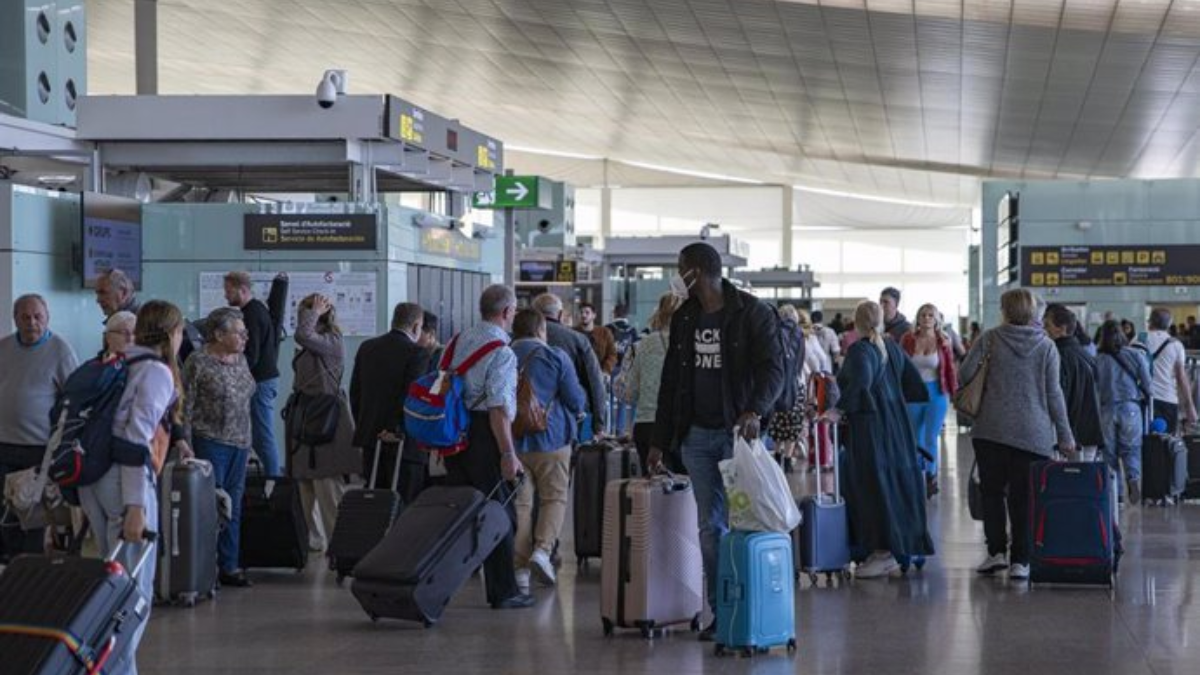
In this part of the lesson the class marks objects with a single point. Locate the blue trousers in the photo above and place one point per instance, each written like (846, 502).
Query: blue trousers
(702, 449)
(1123, 428)
(262, 426)
(229, 470)
(927, 420)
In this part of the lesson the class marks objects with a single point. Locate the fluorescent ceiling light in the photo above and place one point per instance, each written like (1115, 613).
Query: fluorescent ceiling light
(689, 172)
(552, 153)
(875, 198)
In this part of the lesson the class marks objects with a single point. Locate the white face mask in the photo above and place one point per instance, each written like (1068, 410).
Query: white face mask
(680, 287)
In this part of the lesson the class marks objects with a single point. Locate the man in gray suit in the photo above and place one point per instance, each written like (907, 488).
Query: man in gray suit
(580, 351)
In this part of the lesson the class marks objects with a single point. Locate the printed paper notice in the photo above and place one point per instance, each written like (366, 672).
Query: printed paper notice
(353, 295)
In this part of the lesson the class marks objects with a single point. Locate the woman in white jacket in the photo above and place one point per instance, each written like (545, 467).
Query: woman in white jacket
(124, 503)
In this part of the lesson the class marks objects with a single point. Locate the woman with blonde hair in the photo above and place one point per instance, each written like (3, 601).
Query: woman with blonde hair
(884, 485)
(320, 466)
(932, 352)
(645, 373)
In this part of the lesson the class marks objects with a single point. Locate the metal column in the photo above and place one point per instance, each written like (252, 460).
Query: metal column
(145, 29)
(789, 201)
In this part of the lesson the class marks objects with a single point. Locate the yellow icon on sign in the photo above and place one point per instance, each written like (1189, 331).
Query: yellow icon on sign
(1143, 257)
(270, 235)
(1038, 279)
(1112, 258)
(1052, 258)
(1052, 279)
(1127, 257)
(1097, 257)
(1158, 257)
(1038, 258)
(1120, 278)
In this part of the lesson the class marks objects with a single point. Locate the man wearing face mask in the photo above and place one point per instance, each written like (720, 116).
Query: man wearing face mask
(724, 369)
(383, 369)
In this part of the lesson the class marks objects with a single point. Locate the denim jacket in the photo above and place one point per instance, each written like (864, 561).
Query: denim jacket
(556, 386)
(1116, 382)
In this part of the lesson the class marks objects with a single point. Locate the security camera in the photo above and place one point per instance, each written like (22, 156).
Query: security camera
(332, 87)
(706, 231)
(430, 221)
(543, 226)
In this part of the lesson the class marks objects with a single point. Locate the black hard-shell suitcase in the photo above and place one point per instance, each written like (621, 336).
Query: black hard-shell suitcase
(430, 552)
(1164, 467)
(67, 615)
(363, 519)
(274, 531)
(596, 465)
(187, 560)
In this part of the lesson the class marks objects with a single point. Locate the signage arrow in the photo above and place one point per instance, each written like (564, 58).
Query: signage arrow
(519, 190)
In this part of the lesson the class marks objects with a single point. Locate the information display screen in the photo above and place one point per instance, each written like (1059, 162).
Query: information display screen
(537, 271)
(112, 237)
(1128, 265)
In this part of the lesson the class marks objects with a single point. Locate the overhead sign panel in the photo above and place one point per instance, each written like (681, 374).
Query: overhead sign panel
(1130, 265)
(517, 192)
(309, 232)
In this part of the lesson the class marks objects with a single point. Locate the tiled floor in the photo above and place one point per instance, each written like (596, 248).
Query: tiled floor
(941, 620)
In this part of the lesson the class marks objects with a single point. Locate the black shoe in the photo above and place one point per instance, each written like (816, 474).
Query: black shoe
(709, 634)
(236, 579)
(519, 601)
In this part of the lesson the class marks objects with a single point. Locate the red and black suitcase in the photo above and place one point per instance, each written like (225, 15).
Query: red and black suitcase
(69, 616)
(364, 518)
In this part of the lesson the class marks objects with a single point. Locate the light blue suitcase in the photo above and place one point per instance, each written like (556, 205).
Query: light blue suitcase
(756, 603)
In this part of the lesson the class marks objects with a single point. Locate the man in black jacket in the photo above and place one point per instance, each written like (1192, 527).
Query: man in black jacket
(1077, 372)
(579, 348)
(383, 369)
(262, 355)
(724, 368)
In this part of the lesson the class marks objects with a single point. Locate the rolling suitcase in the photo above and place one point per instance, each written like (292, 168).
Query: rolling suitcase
(187, 550)
(823, 538)
(1192, 490)
(364, 517)
(651, 573)
(432, 549)
(69, 616)
(274, 531)
(1071, 523)
(1164, 467)
(756, 601)
(595, 466)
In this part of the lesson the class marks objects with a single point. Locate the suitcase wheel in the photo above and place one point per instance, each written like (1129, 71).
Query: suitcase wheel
(748, 652)
(814, 578)
(428, 623)
(188, 599)
(608, 628)
(647, 633)
(695, 626)
(791, 646)
(719, 649)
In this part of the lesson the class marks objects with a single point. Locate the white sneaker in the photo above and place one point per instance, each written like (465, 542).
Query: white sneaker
(1018, 572)
(993, 564)
(878, 565)
(523, 580)
(542, 567)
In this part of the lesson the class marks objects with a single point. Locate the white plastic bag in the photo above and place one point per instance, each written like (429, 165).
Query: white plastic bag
(757, 492)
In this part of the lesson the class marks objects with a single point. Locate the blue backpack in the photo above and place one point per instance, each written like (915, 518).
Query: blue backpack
(85, 411)
(435, 415)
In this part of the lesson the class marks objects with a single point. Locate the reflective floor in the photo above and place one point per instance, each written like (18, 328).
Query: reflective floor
(941, 620)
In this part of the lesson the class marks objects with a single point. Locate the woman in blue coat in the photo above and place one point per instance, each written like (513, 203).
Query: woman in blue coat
(884, 483)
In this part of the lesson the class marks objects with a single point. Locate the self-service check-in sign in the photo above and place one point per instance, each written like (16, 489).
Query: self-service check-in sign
(517, 192)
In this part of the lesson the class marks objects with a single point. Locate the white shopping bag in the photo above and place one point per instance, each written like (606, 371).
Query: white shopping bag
(757, 492)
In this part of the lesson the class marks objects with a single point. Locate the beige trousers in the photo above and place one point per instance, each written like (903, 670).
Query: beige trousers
(324, 494)
(548, 474)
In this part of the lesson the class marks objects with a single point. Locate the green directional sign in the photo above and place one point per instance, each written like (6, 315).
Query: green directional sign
(517, 192)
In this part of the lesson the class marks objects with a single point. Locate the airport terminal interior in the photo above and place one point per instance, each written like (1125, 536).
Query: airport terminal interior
(1000, 197)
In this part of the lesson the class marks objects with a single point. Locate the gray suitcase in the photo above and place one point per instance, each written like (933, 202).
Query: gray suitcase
(187, 566)
(598, 464)
(823, 538)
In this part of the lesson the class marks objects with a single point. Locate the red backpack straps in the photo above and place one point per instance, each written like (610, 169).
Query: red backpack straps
(448, 355)
(478, 356)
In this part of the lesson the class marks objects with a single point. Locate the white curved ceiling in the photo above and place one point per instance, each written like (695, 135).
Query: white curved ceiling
(916, 99)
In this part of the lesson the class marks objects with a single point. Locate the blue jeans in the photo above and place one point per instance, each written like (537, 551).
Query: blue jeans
(1123, 429)
(927, 420)
(702, 449)
(262, 425)
(229, 470)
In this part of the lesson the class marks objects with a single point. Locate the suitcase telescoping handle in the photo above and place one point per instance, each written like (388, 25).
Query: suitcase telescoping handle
(516, 486)
(373, 479)
(669, 481)
(833, 455)
(149, 537)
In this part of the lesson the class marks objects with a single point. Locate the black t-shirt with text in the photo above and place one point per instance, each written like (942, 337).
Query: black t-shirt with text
(708, 400)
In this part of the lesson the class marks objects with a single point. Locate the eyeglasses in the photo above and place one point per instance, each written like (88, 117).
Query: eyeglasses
(244, 334)
(126, 333)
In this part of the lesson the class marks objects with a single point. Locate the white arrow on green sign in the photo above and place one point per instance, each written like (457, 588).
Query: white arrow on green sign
(517, 192)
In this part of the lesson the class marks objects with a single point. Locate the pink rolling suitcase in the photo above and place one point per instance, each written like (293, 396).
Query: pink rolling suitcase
(652, 575)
